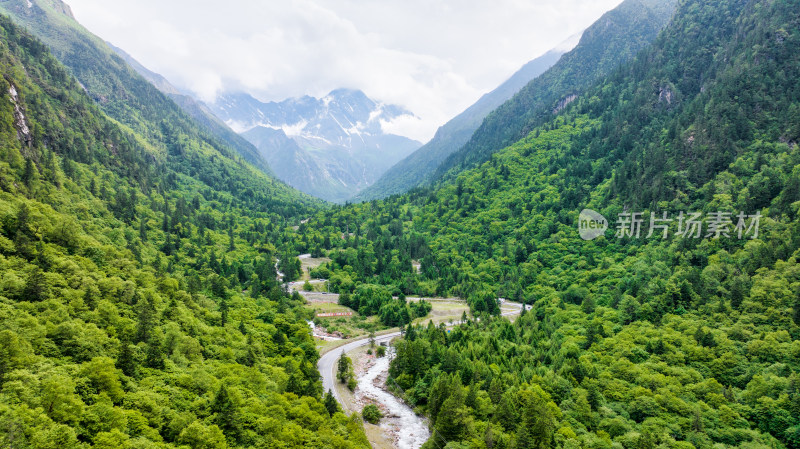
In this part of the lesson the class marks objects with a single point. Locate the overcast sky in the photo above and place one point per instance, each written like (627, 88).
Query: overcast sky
(434, 57)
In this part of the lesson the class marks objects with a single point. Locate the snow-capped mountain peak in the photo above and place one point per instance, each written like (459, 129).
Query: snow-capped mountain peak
(336, 140)
(338, 115)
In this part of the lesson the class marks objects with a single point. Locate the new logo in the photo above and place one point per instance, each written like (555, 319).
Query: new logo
(591, 224)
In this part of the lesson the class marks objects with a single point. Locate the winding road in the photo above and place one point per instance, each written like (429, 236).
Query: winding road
(327, 363)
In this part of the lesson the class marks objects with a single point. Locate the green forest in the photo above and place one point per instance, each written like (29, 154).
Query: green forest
(639, 342)
(140, 304)
(613, 39)
(138, 296)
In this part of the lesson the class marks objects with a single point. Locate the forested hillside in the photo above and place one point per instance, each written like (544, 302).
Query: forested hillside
(201, 114)
(612, 40)
(640, 341)
(131, 100)
(419, 165)
(139, 305)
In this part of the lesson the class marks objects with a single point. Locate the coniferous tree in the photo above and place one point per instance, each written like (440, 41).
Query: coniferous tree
(88, 298)
(36, 288)
(224, 307)
(330, 403)
(344, 368)
(143, 229)
(125, 361)
(28, 174)
(225, 413)
(155, 352)
(146, 318)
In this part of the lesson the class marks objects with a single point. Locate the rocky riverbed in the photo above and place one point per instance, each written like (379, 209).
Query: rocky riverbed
(403, 427)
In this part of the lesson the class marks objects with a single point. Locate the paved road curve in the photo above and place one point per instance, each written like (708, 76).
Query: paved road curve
(327, 363)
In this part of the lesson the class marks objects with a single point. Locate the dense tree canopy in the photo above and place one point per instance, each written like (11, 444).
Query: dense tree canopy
(139, 305)
(633, 341)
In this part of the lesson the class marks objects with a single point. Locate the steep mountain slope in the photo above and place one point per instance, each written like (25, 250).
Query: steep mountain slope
(139, 305)
(301, 169)
(126, 96)
(340, 137)
(634, 340)
(155, 79)
(615, 38)
(419, 165)
(198, 111)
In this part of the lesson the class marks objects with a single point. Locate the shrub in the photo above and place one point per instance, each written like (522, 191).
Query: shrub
(371, 414)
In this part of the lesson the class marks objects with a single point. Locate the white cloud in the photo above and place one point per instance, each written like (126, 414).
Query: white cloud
(433, 57)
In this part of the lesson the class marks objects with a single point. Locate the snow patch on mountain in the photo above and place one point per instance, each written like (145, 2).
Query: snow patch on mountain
(331, 147)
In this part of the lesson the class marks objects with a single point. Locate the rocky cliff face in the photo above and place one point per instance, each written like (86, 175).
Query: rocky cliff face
(564, 102)
(20, 121)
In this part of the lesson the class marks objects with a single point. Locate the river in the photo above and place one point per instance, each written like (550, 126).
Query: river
(409, 430)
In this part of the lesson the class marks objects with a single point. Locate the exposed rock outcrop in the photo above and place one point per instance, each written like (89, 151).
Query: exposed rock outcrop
(665, 94)
(564, 102)
(20, 121)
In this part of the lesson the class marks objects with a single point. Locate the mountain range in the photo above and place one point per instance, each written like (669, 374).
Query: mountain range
(538, 91)
(139, 252)
(202, 115)
(329, 147)
(415, 168)
(334, 147)
(612, 40)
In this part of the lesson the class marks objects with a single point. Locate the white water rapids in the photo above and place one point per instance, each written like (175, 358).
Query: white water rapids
(410, 430)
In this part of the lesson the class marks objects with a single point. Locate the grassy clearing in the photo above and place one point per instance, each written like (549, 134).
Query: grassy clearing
(350, 326)
(310, 263)
(444, 312)
(327, 307)
(356, 325)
